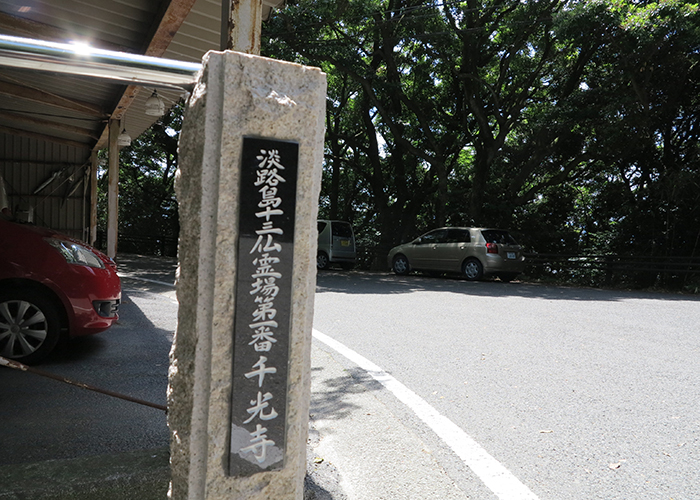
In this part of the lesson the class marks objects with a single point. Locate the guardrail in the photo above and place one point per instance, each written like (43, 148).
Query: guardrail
(163, 246)
(608, 269)
(683, 265)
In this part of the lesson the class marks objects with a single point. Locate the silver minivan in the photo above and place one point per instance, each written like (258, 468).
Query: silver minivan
(475, 252)
(336, 244)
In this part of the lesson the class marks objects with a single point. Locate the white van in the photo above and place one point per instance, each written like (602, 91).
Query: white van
(336, 244)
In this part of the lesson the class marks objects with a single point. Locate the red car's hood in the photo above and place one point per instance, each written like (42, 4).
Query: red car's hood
(45, 232)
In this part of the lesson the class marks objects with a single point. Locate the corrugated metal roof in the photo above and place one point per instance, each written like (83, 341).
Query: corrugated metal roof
(50, 123)
(30, 109)
(73, 111)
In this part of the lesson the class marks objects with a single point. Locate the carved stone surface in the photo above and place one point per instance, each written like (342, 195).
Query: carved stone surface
(238, 95)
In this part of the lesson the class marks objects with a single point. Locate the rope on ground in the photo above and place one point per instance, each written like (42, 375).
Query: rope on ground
(22, 367)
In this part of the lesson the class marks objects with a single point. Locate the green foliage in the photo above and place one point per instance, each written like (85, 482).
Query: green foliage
(574, 123)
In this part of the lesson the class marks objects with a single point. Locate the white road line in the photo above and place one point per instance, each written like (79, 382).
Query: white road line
(489, 470)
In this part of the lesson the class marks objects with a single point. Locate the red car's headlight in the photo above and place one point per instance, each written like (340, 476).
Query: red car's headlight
(75, 253)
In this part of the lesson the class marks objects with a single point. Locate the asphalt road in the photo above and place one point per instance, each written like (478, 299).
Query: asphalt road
(581, 394)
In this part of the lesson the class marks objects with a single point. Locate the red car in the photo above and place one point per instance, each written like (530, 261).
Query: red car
(51, 285)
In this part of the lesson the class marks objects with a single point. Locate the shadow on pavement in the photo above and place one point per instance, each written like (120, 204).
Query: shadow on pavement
(367, 283)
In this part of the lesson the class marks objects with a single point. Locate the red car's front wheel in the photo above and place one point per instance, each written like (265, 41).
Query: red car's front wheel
(29, 326)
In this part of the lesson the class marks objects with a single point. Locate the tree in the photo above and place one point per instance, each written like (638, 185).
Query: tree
(505, 60)
(413, 85)
(626, 133)
(391, 111)
(573, 120)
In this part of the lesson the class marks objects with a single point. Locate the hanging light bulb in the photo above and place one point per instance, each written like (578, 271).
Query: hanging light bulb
(155, 105)
(124, 139)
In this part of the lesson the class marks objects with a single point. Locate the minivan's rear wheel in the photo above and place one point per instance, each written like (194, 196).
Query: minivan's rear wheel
(29, 326)
(322, 260)
(473, 269)
(400, 265)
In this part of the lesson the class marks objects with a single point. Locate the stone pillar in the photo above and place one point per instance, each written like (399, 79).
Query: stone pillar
(241, 96)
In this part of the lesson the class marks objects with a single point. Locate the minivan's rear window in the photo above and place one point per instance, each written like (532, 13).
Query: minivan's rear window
(496, 236)
(342, 229)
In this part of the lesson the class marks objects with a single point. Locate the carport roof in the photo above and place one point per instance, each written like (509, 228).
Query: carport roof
(73, 110)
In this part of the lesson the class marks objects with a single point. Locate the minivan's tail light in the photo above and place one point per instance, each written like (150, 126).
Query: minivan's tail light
(491, 248)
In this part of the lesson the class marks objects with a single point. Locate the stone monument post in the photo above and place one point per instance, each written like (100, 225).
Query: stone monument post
(251, 151)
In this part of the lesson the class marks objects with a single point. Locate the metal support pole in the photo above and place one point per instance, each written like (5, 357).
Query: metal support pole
(74, 59)
(241, 25)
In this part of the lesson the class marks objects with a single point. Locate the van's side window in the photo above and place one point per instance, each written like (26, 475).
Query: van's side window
(321, 226)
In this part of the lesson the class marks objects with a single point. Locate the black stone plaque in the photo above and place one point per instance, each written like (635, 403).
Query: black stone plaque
(262, 320)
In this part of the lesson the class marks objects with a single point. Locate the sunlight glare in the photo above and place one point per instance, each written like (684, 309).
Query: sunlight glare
(81, 48)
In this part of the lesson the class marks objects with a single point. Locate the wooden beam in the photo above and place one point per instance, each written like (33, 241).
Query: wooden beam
(118, 113)
(167, 26)
(44, 137)
(40, 122)
(30, 94)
